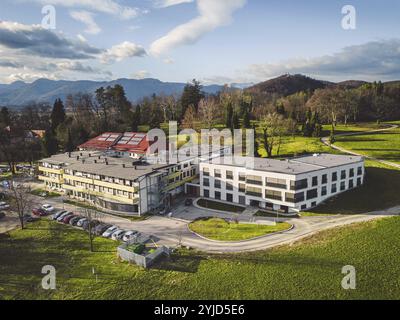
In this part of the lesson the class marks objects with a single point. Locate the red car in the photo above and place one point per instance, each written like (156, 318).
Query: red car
(39, 212)
(68, 218)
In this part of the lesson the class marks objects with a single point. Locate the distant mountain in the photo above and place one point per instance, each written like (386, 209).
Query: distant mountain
(351, 84)
(286, 85)
(44, 90)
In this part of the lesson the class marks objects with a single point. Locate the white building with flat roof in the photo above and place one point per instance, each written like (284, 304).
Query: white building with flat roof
(289, 185)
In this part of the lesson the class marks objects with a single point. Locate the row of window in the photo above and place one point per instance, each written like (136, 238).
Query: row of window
(290, 197)
(281, 183)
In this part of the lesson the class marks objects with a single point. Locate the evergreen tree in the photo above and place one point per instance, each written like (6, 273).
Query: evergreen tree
(5, 116)
(191, 96)
(229, 115)
(57, 114)
(49, 143)
(69, 145)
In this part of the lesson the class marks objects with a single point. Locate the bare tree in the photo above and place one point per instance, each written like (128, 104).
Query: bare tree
(273, 128)
(21, 199)
(209, 112)
(91, 216)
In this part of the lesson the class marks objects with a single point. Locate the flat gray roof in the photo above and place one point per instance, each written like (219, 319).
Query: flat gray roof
(296, 165)
(96, 163)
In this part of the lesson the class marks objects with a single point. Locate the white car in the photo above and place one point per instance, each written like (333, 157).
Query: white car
(4, 205)
(109, 231)
(48, 208)
(118, 234)
(129, 235)
(80, 222)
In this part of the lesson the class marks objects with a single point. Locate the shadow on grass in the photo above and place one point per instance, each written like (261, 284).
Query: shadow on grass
(179, 263)
(379, 191)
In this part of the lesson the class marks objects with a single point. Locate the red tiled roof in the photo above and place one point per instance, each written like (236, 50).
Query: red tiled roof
(132, 142)
(102, 142)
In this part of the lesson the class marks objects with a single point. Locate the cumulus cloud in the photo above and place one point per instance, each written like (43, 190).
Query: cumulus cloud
(212, 14)
(169, 3)
(35, 40)
(105, 6)
(121, 51)
(86, 17)
(369, 61)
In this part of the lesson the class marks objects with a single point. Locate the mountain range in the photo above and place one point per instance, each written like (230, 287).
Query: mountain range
(20, 93)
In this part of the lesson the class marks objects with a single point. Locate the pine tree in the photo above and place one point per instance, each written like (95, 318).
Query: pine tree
(49, 143)
(57, 114)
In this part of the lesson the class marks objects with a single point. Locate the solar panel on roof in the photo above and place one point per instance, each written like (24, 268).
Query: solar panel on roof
(140, 135)
(102, 139)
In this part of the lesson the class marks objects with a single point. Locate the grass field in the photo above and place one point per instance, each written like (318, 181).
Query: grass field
(310, 269)
(383, 145)
(219, 229)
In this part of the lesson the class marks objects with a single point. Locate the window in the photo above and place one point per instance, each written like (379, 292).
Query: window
(229, 197)
(275, 183)
(217, 184)
(252, 191)
(206, 172)
(229, 186)
(351, 173)
(242, 187)
(343, 175)
(358, 182)
(313, 204)
(242, 200)
(298, 185)
(359, 171)
(206, 193)
(314, 181)
(271, 194)
(311, 194)
(333, 188)
(217, 173)
(242, 176)
(304, 207)
(334, 176)
(254, 180)
(351, 184)
(342, 185)
(206, 182)
(229, 175)
(294, 197)
(324, 178)
(323, 191)
(217, 195)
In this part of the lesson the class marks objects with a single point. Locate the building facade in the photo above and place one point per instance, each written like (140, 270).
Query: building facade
(286, 186)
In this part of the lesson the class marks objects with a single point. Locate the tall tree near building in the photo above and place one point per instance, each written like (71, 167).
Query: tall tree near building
(273, 128)
(49, 143)
(21, 200)
(191, 96)
(57, 114)
(209, 112)
(189, 119)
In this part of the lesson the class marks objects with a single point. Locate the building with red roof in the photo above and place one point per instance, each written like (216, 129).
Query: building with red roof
(103, 142)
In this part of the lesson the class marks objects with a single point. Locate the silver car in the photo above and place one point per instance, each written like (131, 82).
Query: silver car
(109, 231)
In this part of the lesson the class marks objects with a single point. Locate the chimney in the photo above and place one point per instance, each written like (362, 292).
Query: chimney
(81, 153)
(135, 167)
(95, 161)
(77, 157)
(123, 165)
(69, 154)
(106, 163)
(99, 157)
(90, 155)
(83, 161)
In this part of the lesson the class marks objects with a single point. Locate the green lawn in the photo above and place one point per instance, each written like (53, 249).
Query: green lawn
(310, 269)
(222, 230)
(50, 194)
(379, 191)
(383, 145)
(215, 205)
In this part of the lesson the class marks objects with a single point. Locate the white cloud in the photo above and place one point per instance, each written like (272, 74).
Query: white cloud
(121, 51)
(105, 6)
(169, 3)
(86, 17)
(28, 77)
(142, 74)
(370, 61)
(212, 14)
(169, 61)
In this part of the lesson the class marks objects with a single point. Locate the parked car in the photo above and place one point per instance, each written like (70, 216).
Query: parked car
(93, 224)
(61, 217)
(188, 202)
(29, 218)
(58, 214)
(81, 222)
(118, 234)
(48, 208)
(74, 220)
(68, 218)
(129, 235)
(4, 205)
(99, 230)
(109, 231)
(39, 212)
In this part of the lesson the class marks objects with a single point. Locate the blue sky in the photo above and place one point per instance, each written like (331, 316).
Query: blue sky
(216, 41)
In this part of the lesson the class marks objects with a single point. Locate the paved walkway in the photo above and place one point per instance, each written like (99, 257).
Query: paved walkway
(325, 141)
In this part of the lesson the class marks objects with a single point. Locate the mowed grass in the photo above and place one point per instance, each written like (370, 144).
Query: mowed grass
(384, 145)
(379, 191)
(222, 230)
(310, 269)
